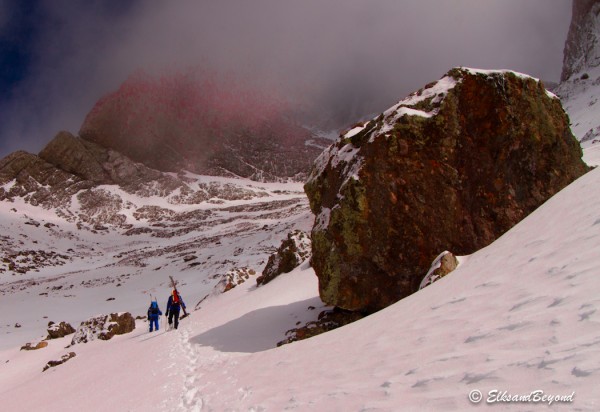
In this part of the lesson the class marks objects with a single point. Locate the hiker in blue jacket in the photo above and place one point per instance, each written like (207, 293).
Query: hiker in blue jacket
(153, 315)
(174, 305)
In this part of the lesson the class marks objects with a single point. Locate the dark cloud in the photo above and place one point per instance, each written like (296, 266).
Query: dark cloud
(340, 59)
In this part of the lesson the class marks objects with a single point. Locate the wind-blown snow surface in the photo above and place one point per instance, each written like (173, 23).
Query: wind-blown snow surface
(518, 316)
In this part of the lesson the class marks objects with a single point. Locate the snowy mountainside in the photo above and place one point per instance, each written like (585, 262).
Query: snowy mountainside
(580, 79)
(580, 100)
(67, 263)
(520, 315)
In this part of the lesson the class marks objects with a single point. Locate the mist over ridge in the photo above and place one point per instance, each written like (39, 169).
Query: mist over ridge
(337, 60)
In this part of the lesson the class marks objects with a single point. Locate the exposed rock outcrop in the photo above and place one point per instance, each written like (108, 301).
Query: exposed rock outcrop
(104, 327)
(31, 346)
(64, 358)
(233, 278)
(451, 167)
(228, 281)
(59, 330)
(293, 251)
(445, 263)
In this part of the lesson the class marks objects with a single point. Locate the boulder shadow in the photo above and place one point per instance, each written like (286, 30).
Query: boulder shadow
(258, 330)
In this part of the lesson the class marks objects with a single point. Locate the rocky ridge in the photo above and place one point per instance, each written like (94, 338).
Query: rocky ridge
(88, 184)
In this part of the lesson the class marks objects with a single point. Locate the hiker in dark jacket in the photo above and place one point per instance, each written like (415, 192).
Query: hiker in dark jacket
(174, 305)
(153, 314)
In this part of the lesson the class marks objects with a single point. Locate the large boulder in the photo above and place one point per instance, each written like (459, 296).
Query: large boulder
(451, 167)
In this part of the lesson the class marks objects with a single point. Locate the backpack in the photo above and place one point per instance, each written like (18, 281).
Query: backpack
(175, 298)
(154, 308)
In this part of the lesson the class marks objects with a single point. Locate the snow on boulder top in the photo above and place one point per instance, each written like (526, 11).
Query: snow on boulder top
(435, 91)
(425, 103)
(433, 94)
(511, 72)
(472, 70)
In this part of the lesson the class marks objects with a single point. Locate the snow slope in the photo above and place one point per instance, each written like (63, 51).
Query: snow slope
(580, 100)
(518, 316)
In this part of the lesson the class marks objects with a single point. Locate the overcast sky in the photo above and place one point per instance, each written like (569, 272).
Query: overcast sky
(342, 57)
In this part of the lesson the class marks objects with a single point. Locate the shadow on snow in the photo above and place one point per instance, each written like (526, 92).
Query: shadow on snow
(258, 330)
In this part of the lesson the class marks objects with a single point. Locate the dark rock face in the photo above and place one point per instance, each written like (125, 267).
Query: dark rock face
(293, 251)
(451, 167)
(59, 330)
(581, 48)
(104, 327)
(202, 126)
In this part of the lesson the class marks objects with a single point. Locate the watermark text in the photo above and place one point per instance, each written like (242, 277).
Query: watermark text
(536, 396)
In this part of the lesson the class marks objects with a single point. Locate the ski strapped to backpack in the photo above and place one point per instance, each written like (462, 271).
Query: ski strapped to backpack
(176, 297)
